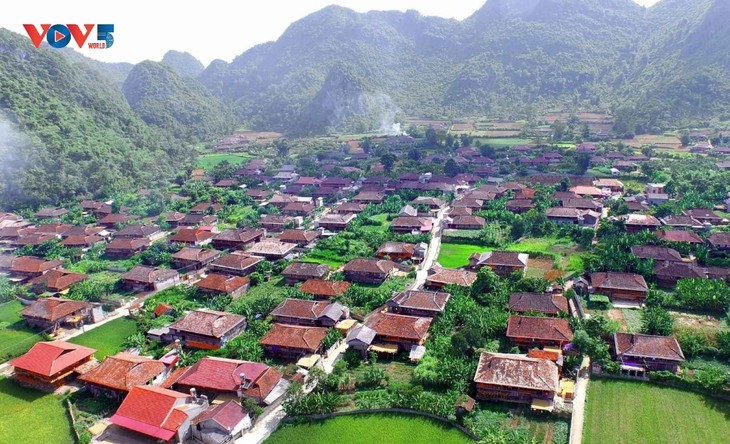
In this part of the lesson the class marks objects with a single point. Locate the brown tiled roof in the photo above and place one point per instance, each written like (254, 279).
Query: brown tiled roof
(293, 336)
(679, 270)
(647, 346)
(30, 264)
(564, 212)
(702, 213)
(368, 196)
(191, 235)
(238, 260)
(553, 329)
(224, 375)
(680, 220)
(272, 247)
(196, 254)
(44, 213)
(124, 371)
(330, 218)
(240, 235)
(422, 300)
(448, 276)
(319, 287)
(208, 322)
(81, 241)
(58, 280)
(350, 207)
(679, 236)
(53, 228)
(309, 269)
(295, 236)
(148, 274)
(301, 309)
(35, 239)
(656, 252)
(112, 219)
(468, 220)
(397, 248)
(501, 258)
(299, 207)
(227, 415)
(618, 281)
(719, 239)
(518, 371)
(399, 326)
(222, 283)
(53, 309)
(128, 244)
(137, 230)
(378, 266)
(547, 303)
(413, 222)
(642, 220)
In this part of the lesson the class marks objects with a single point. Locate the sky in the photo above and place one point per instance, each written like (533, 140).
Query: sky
(209, 29)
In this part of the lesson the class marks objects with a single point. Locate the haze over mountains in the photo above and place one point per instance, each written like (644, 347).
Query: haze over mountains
(339, 70)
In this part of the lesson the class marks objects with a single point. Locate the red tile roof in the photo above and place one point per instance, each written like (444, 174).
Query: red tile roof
(518, 371)
(679, 236)
(57, 280)
(123, 371)
(319, 287)
(50, 358)
(222, 283)
(191, 235)
(399, 326)
(228, 415)
(148, 274)
(196, 254)
(552, 329)
(224, 375)
(151, 411)
(647, 346)
(299, 308)
(447, 276)
(295, 236)
(377, 266)
(547, 303)
(128, 244)
(237, 260)
(208, 323)
(397, 248)
(306, 269)
(421, 300)
(53, 309)
(618, 281)
(29, 264)
(291, 336)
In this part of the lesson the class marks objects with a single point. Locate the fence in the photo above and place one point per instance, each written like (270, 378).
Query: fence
(322, 416)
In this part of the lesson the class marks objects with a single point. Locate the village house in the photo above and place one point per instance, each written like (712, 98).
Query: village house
(619, 286)
(301, 238)
(192, 237)
(321, 289)
(432, 203)
(681, 221)
(440, 277)
(216, 284)
(82, 241)
(114, 220)
(641, 353)
(369, 271)
(134, 231)
(418, 303)
(120, 373)
(49, 365)
(685, 236)
(189, 259)
(56, 281)
(519, 206)
(141, 278)
(50, 213)
(121, 248)
(411, 224)
(402, 331)
(335, 222)
(530, 331)
(517, 378)
(236, 239)
(303, 271)
(48, 314)
(656, 253)
(293, 341)
(503, 263)
(205, 222)
(304, 209)
(639, 222)
(369, 197)
(584, 204)
(214, 377)
(159, 413)
(206, 329)
(615, 185)
(465, 222)
(276, 222)
(271, 249)
(705, 216)
(206, 208)
(717, 241)
(397, 251)
(34, 239)
(219, 423)
(173, 218)
(668, 273)
(25, 267)
(349, 208)
(312, 313)
(550, 304)
(238, 263)
(573, 216)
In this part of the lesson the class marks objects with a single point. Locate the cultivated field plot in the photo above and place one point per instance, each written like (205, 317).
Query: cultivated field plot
(628, 412)
(209, 161)
(108, 338)
(660, 141)
(505, 141)
(366, 429)
(30, 416)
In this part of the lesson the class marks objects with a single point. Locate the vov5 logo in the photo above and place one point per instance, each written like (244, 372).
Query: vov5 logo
(58, 36)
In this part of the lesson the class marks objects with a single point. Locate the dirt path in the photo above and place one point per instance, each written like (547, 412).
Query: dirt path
(581, 387)
(434, 248)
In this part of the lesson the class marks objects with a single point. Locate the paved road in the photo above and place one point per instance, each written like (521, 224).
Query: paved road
(579, 400)
(266, 425)
(433, 250)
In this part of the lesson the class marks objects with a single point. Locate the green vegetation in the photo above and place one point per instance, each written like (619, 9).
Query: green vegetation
(108, 338)
(15, 337)
(209, 161)
(368, 429)
(457, 255)
(32, 416)
(629, 412)
(505, 142)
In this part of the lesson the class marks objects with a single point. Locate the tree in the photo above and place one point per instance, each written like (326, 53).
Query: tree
(388, 160)
(684, 139)
(431, 137)
(451, 169)
(582, 162)
(656, 321)
(558, 128)
(282, 147)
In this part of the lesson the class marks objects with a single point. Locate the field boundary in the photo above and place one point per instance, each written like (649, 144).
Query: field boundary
(679, 385)
(323, 416)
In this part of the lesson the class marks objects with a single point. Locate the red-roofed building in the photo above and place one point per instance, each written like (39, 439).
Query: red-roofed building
(418, 303)
(404, 331)
(529, 331)
(51, 313)
(49, 365)
(159, 413)
(647, 352)
(321, 289)
(679, 236)
(118, 374)
(56, 281)
(369, 271)
(293, 341)
(622, 286)
(516, 378)
(213, 376)
(222, 284)
(192, 237)
(207, 329)
(221, 423)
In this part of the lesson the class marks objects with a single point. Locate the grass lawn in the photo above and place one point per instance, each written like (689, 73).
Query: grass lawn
(356, 429)
(457, 255)
(635, 412)
(209, 161)
(30, 416)
(321, 260)
(107, 339)
(384, 223)
(15, 337)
